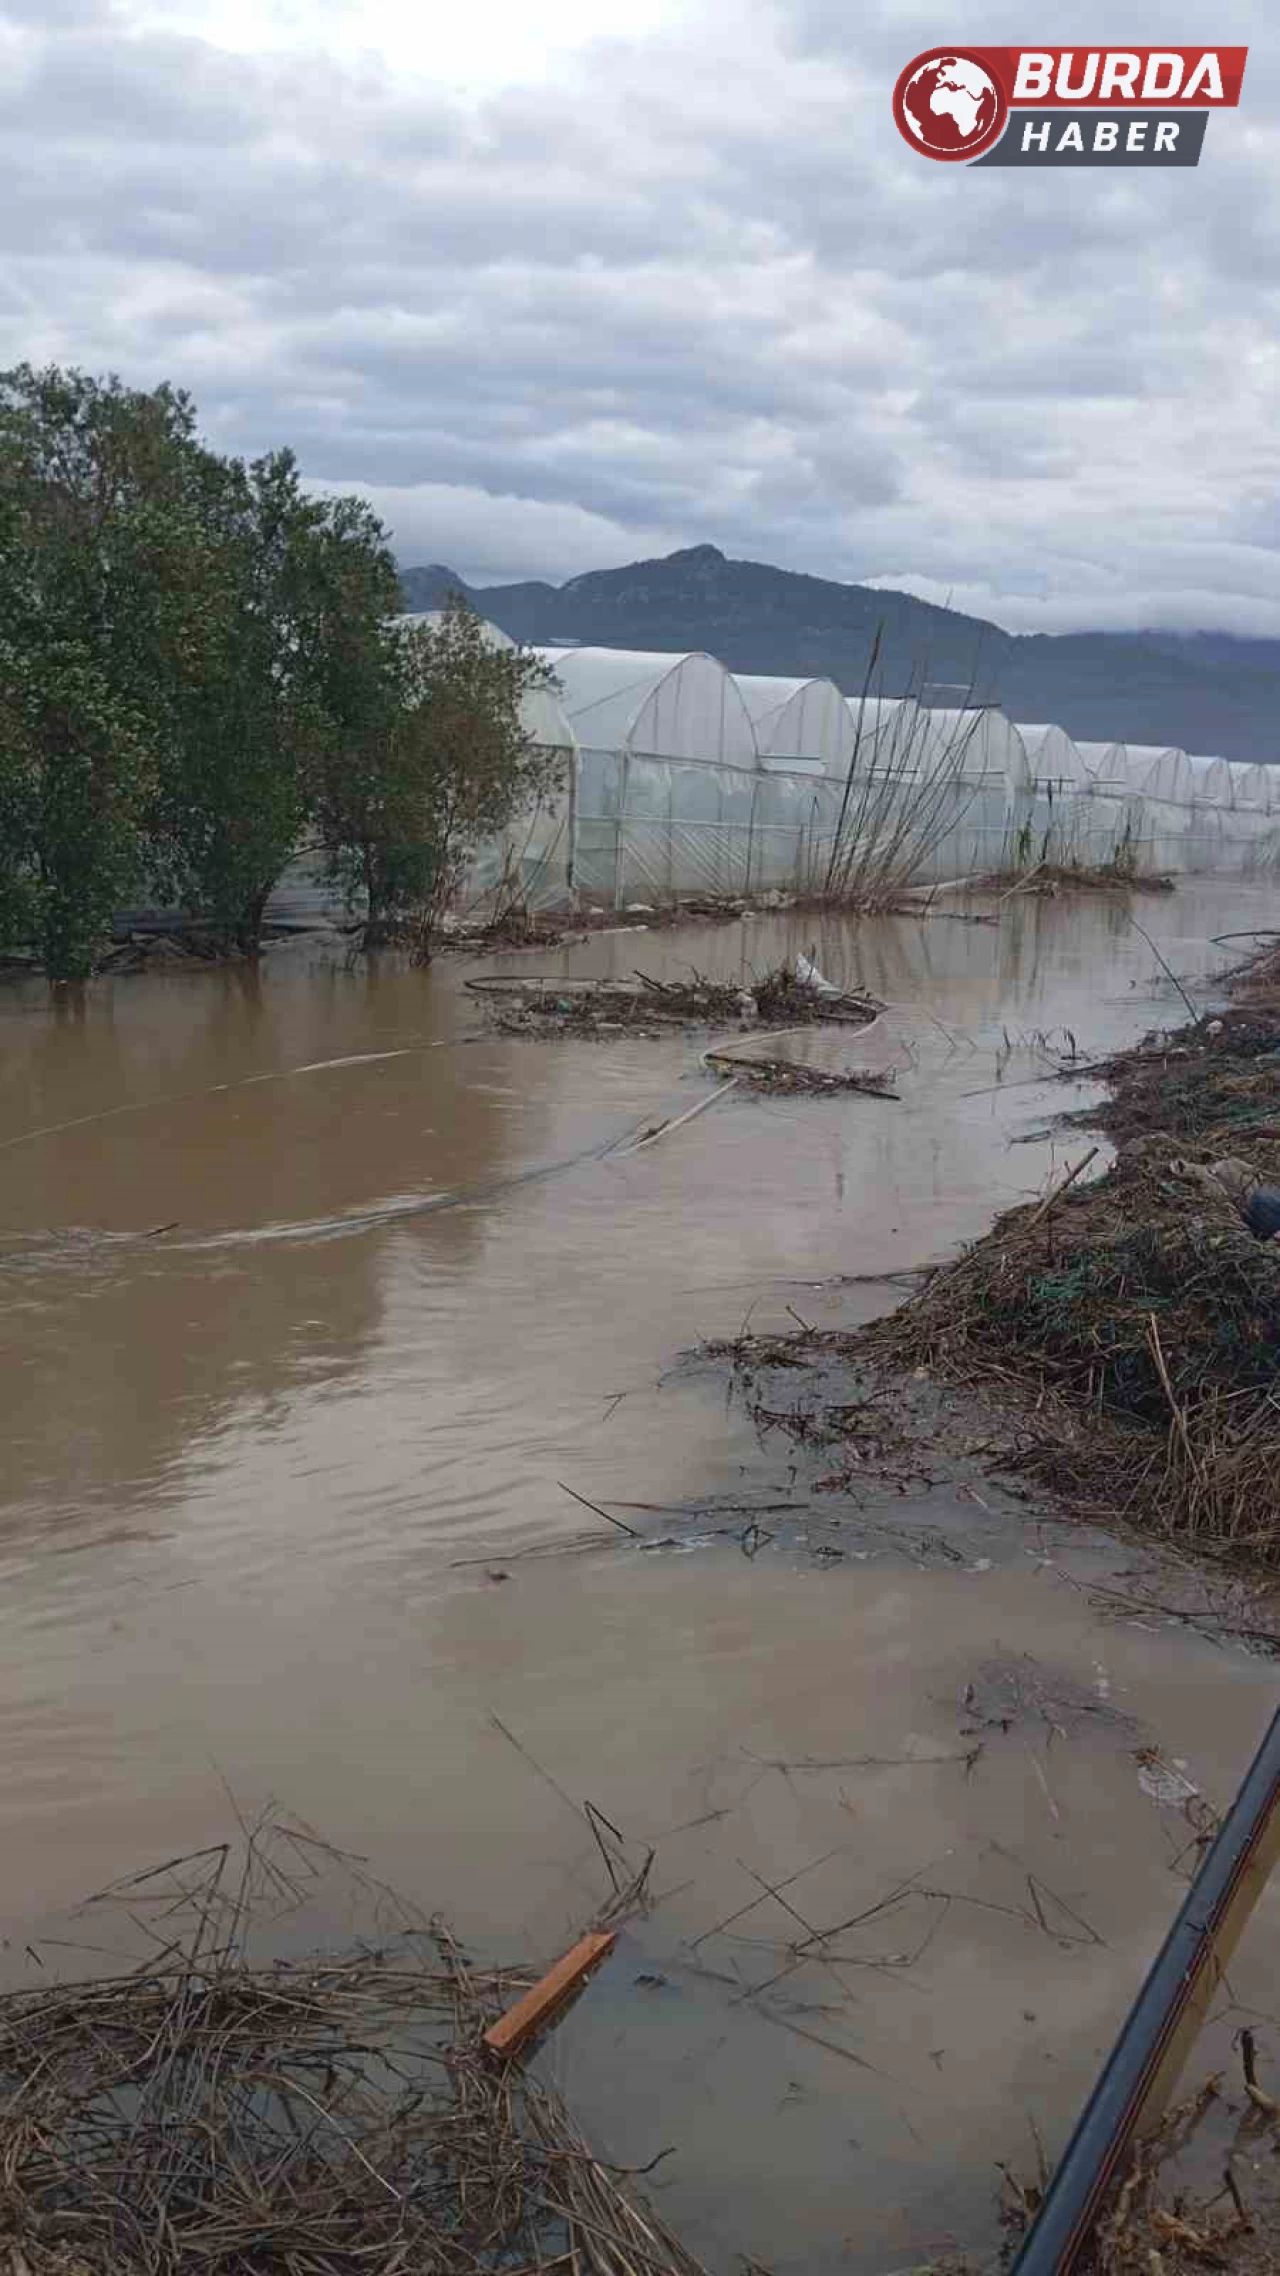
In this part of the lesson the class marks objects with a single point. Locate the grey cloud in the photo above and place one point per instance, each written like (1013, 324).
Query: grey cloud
(696, 289)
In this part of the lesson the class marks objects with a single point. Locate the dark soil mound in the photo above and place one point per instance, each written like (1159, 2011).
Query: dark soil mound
(1137, 1320)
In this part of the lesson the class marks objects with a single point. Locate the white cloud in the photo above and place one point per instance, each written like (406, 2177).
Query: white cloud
(489, 538)
(509, 42)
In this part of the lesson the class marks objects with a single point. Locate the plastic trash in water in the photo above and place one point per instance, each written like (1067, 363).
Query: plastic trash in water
(1165, 1782)
(808, 975)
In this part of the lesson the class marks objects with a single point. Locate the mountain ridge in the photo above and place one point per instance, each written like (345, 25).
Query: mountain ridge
(1208, 692)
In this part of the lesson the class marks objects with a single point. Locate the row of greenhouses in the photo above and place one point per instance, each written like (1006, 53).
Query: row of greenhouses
(684, 778)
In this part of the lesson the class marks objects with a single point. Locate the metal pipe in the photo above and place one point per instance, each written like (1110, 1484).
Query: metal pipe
(1133, 2092)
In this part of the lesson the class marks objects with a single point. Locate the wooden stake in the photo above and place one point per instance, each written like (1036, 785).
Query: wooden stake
(1058, 1191)
(516, 2028)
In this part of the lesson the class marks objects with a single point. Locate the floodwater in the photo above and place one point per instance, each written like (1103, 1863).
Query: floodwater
(318, 1297)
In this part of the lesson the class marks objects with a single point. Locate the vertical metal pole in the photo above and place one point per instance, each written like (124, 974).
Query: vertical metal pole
(623, 789)
(571, 867)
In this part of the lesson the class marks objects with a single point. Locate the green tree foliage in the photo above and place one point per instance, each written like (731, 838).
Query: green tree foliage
(199, 668)
(289, 678)
(76, 766)
(451, 764)
(98, 520)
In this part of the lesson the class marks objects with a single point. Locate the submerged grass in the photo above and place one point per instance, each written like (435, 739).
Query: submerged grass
(325, 2116)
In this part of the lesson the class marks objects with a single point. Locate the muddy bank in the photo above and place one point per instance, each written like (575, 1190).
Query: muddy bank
(865, 1433)
(1129, 1320)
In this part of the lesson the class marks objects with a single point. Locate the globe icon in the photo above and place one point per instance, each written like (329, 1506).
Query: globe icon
(951, 104)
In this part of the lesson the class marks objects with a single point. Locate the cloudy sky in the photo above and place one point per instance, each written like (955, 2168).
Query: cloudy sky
(561, 283)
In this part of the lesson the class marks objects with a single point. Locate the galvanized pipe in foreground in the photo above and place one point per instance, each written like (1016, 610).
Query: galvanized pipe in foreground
(1133, 2092)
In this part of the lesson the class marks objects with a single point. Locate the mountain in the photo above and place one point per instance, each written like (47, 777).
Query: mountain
(1206, 692)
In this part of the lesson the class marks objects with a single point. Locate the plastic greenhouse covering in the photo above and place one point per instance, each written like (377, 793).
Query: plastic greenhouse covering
(1163, 774)
(889, 731)
(1252, 787)
(1105, 764)
(1052, 757)
(805, 722)
(676, 707)
(1212, 782)
(682, 779)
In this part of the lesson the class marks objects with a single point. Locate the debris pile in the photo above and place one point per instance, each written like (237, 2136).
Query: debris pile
(513, 928)
(157, 951)
(1218, 1077)
(781, 1078)
(1047, 879)
(1257, 980)
(519, 927)
(644, 1005)
(1133, 1323)
(1154, 2222)
(333, 2115)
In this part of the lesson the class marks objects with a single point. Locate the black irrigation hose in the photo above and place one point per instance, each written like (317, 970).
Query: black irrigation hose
(1213, 1912)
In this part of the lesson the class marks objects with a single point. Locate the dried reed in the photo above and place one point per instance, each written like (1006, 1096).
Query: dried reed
(319, 2116)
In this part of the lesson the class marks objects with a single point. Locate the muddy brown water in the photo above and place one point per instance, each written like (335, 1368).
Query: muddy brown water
(261, 1466)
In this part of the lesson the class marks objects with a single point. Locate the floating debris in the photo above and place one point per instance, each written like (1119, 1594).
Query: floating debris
(1151, 2222)
(1047, 879)
(550, 1005)
(787, 1076)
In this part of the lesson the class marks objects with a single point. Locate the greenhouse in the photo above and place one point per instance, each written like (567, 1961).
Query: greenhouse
(1245, 836)
(1162, 773)
(664, 706)
(799, 723)
(1106, 764)
(1213, 781)
(684, 779)
(888, 731)
(667, 792)
(940, 782)
(1252, 787)
(1053, 759)
(979, 745)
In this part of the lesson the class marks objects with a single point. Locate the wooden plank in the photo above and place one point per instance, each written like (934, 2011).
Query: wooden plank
(514, 2030)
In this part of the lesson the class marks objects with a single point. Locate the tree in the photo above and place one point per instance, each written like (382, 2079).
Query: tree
(452, 764)
(289, 685)
(186, 644)
(99, 528)
(75, 775)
